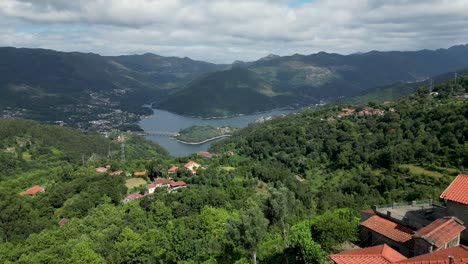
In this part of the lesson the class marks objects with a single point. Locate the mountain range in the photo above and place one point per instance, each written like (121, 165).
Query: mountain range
(82, 87)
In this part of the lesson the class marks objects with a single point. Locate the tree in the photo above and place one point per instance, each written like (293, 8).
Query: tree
(15, 213)
(84, 254)
(334, 227)
(249, 230)
(279, 203)
(300, 239)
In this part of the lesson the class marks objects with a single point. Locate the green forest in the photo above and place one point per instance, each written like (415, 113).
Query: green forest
(285, 191)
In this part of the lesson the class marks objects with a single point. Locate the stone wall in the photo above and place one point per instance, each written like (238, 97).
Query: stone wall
(461, 212)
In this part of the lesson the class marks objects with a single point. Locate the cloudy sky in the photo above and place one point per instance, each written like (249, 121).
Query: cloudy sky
(228, 30)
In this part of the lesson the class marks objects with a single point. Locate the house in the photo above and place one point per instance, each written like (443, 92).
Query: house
(150, 188)
(120, 138)
(140, 173)
(101, 169)
(192, 166)
(412, 229)
(117, 172)
(377, 230)
(440, 234)
(162, 182)
(108, 166)
(453, 255)
(33, 190)
(384, 254)
(172, 169)
(205, 154)
(132, 197)
(456, 196)
(63, 221)
(175, 185)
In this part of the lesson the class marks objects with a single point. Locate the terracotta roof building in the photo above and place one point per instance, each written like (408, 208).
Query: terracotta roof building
(117, 172)
(172, 169)
(377, 230)
(162, 182)
(63, 221)
(175, 185)
(457, 190)
(459, 254)
(456, 196)
(191, 166)
(440, 234)
(101, 169)
(140, 173)
(33, 190)
(382, 254)
(132, 197)
(150, 188)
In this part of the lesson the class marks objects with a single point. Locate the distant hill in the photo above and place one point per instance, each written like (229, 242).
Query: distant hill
(105, 92)
(51, 85)
(397, 90)
(274, 81)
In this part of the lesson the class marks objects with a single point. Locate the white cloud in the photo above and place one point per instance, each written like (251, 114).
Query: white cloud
(227, 30)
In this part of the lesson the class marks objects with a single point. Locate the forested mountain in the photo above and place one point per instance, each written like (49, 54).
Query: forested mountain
(85, 89)
(285, 191)
(78, 87)
(399, 89)
(295, 80)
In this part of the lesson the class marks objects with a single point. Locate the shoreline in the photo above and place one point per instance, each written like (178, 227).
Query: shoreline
(201, 142)
(229, 116)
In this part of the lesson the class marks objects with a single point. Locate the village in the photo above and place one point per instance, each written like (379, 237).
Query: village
(415, 232)
(418, 232)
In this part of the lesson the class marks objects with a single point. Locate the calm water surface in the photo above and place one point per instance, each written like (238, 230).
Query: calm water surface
(163, 121)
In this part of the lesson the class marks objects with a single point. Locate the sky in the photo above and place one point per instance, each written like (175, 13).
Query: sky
(223, 31)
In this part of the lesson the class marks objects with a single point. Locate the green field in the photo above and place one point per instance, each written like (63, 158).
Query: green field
(433, 172)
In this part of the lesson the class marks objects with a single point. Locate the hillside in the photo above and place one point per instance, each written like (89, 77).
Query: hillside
(299, 80)
(224, 93)
(29, 142)
(285, 191)
(79, 88)
(397, 90)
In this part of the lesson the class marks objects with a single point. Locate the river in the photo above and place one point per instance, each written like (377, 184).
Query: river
(164, 121)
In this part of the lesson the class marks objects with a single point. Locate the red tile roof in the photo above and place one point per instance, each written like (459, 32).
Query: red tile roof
(33, 190)
(459, 253)
(101, 169)
(151, 186)
(172, 169)
(177, 183)
(140, 173)
(457, 190)
(440, 231)
(191, 164)
(117, 172)
(162, 181)
(134, 196)
(63, 221)
(390, 229)
(382, 254)
(203, 153)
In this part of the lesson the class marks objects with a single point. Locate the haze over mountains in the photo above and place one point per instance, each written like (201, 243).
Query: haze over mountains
(44, 81)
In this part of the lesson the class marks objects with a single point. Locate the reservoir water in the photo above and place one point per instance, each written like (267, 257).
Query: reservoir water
(163, 121)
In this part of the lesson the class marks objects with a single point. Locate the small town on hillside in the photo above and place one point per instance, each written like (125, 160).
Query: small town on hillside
(418, 232)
